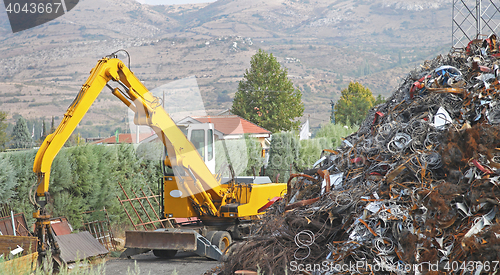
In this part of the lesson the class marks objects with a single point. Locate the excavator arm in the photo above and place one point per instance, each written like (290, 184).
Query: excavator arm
(193, 176)
(148, 111)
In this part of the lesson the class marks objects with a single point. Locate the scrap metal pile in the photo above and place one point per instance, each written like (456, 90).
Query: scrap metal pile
(414, 191)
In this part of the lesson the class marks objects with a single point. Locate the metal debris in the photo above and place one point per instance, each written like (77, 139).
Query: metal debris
(6, 227)
(100, 229)
(79, 246)
(417, 186)
(61, 226)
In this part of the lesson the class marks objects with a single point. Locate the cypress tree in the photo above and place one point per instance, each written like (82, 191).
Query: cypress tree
(255, 159)
(284, 153)
(22, 163)
(52, 126)
(82, 178)
(44, 131)
(21, 137)
(7, 180)
(3, 133)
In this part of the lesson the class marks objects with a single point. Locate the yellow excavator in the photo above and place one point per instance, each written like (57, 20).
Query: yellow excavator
(189, 189)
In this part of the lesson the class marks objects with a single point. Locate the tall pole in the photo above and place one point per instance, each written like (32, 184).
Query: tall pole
(478, 18)
(136, 133)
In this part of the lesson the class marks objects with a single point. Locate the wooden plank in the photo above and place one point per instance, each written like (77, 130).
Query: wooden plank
(8, 243)
(22, 265)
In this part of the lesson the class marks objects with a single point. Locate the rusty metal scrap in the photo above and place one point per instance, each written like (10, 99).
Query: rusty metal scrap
(417, 183)
(20, 225)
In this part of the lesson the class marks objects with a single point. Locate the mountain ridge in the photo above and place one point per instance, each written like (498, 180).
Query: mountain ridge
(323, 45)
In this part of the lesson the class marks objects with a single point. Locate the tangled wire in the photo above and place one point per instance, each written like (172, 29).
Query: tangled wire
(418, 183)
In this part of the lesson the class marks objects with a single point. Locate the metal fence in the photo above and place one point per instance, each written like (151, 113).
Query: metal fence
(100, 229)
(147, 217)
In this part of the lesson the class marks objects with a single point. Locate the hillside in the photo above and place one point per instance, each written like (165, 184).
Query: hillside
(323, 44)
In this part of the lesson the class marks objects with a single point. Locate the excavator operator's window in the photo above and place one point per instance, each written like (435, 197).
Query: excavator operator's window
(210, 144)
(198, 140)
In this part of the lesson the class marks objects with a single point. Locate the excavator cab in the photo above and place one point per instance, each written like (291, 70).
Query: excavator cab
(202, 137)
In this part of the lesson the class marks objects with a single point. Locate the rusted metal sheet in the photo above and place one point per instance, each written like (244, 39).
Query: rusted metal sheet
(8, 243)
(60, 226)
(79, 246)
(20, 222)
(171, 240)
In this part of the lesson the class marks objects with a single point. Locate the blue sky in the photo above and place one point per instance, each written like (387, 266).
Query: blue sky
(173, 2)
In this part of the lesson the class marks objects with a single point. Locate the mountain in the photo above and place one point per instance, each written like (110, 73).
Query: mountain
(323, 44)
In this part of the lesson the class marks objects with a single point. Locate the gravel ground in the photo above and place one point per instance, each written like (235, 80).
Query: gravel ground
(184, 263)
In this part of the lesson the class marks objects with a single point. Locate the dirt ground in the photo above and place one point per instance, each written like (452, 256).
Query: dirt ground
(184, 263)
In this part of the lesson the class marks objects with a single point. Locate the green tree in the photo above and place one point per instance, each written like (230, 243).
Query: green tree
(22, 163)
(334, 133)
(44, 131)
(354, 104)
(3, 133)
(82, 178)
(310, 151)
(52, 126)
(255, 159)
(380, 99)
(267, 97)
(283, 156)
(7, 180)
(21, 137)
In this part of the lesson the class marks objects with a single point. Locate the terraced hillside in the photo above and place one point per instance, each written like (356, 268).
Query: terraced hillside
(323, 44)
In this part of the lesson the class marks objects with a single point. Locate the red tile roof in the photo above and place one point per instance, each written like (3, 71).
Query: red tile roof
(233, 124)
(123, 138)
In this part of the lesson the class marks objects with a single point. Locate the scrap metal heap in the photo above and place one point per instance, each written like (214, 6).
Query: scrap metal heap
(418, 183)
